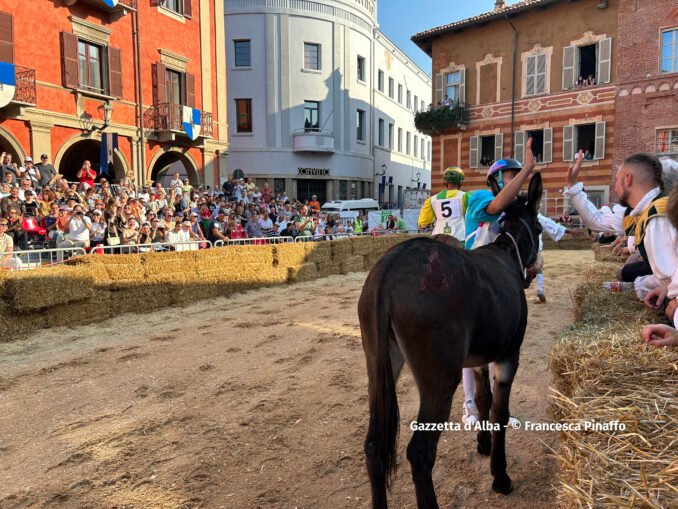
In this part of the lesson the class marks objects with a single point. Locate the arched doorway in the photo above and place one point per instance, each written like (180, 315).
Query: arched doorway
(165, 164)
(70, 161)
(11, 146)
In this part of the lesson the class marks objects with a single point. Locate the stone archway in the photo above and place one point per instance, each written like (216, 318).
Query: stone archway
(83, 147)
(10, 145)
(172, 160)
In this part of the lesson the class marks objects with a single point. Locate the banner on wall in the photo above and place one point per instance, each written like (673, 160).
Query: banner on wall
(7, 83)
(110, 3)
(191, 122)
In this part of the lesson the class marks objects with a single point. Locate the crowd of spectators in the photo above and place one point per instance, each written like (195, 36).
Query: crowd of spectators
(40, 209)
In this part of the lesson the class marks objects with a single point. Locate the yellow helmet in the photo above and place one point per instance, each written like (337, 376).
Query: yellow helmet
(454, 175)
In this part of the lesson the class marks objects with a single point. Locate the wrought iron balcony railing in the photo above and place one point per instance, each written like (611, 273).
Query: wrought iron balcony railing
(435, 121)
(169, 117)
(25, 91)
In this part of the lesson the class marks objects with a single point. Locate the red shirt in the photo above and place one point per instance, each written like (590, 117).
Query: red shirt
(314, 205)
(88, 177)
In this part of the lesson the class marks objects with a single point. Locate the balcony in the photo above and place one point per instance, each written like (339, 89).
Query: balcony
(435, 121)
(310, 140)
(115, 8)
(25, 94)
(167, 120)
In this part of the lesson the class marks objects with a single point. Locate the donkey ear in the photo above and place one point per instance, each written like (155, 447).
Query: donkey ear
(534, 192)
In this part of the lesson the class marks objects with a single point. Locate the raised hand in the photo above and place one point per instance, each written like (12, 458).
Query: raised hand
(529, 156)
(573, 173)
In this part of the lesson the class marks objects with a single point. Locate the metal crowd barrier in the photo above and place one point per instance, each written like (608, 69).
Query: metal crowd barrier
(35, 258)
(151, 248)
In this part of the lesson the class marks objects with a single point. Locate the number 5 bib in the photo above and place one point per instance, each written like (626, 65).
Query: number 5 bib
(449, 211)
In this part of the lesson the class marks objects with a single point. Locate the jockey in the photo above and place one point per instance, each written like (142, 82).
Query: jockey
(447, 208)
(484, 210)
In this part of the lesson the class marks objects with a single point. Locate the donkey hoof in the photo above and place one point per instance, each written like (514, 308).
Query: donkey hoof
(484, 444)
(502, 484)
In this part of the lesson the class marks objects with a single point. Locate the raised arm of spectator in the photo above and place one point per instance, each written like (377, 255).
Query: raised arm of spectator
(511, 190)
(551, 228)
(603, 220)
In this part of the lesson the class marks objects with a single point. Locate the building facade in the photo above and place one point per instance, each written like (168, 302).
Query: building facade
(647, 79)
(541, 96)
(317, 99)
(137, 69)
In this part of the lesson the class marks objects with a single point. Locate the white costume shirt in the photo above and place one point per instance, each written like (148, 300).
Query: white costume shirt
(551, 228)
(662, 255)
(604, 220)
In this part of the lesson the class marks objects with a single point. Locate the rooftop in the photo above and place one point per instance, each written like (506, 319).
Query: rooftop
(425, 39)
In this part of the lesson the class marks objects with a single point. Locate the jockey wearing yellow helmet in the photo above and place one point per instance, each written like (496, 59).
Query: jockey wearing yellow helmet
(447, 209)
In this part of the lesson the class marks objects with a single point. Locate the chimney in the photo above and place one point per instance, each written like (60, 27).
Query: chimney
(499, 4)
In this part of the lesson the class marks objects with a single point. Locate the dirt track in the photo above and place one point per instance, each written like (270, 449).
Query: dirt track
(258, 400)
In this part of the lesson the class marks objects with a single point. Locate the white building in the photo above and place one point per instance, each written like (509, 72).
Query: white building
(321, 102)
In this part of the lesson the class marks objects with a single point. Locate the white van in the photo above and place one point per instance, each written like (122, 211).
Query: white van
(350, 208)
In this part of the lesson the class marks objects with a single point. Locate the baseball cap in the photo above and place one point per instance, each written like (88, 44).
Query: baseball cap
(222, 211)
(28, 159)
(186, 223)
(44, 156)
(96, 212)
(194, 214)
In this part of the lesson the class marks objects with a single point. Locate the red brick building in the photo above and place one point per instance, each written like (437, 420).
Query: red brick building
(473, 63)
(124, 66)
(647, 79)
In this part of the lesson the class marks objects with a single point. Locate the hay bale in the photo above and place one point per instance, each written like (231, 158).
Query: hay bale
(42, 288)
(81, 312)
(352, 264)
(341, 249)
(170, 267)
(364, 245)
(14, 326)
(302, 272)
(604, 372)
(370, 259)
(141, 298)
(603, 253)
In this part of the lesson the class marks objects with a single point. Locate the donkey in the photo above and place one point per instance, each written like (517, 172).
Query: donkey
(440, 308)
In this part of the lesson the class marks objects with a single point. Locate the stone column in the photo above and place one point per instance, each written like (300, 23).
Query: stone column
(41, 140)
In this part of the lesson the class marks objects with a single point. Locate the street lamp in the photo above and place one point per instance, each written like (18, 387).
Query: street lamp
(107, 111)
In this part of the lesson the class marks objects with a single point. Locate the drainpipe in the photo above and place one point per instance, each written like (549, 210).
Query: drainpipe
(513, 83)
(140, 105)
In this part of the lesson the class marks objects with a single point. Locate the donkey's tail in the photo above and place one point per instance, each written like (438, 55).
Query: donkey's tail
(382, 435)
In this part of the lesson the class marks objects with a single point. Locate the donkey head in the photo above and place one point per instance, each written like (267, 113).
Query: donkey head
(521, 224)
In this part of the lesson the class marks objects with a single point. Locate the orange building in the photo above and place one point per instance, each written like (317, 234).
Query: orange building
(513, 74)
(129, 67)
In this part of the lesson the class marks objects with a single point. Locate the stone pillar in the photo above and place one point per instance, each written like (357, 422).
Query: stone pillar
(329, 190)
(41, 140)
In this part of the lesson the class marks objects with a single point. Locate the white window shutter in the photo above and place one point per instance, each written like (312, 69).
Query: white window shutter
(519, 146)
(568, 142)
(605, 60)
(529, 75)
(439, 89)
(462, 85)
(473, 152)
(498, 146)
(568, 67)
(547, 156)
(540, 86)
(599, 151)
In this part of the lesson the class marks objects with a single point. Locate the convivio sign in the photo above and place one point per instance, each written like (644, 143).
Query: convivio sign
(314, 172)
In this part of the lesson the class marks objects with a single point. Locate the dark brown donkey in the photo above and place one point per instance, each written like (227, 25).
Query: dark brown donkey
(440, 309)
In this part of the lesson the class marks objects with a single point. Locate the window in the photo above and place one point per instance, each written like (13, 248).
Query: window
(409, 100)
(311, 115)
(423, 107)
(312, 56)
(173, 87)
(486, 150)
(407, 143)
(416, 146)
(669, 52)
(174, 5)
(416, 103)
(390, 136)
(89, 60)
(360, 125)
(361, 68)
(429, 151)
(423, 154)
(537, 145)
(243, 108)
(400, 139)
(585, 139)
(391, 86)
(535, 74)
(667, 143)
(242, 53)
(400, 94)
(587, 65)
(380, 80)
(452, 86)
(381, 132)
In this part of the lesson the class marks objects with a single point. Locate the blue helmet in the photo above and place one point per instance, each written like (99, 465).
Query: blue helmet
(500, 166)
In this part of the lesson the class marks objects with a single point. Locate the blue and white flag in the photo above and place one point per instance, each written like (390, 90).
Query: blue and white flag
(109, 142)
(7, 83)
(192, 122)
(110, 3)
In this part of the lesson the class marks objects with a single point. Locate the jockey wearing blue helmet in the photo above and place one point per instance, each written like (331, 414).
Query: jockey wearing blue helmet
(504, 178)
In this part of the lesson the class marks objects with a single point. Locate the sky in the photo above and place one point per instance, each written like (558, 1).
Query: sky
(401, 19)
